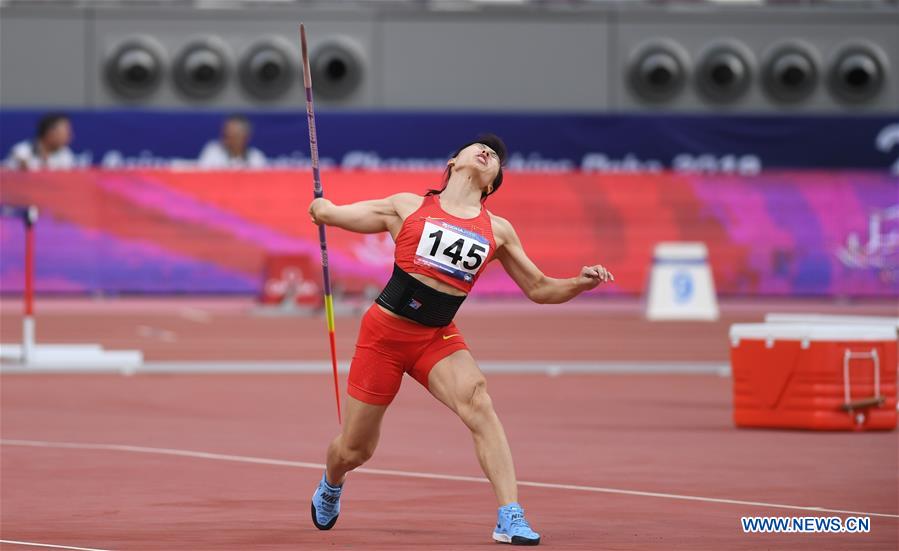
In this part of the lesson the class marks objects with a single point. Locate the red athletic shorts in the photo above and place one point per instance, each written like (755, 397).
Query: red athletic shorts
(389, 346)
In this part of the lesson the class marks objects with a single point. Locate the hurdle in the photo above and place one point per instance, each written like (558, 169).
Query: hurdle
(33, 356)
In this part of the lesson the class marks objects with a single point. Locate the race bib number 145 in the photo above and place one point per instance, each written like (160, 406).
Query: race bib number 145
(453, 250)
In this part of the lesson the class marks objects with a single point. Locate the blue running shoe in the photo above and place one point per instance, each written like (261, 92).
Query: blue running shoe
(512, 527)
(325, 504)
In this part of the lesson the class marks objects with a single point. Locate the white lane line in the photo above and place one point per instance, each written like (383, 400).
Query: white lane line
(163, 335)
(431, 476)
(552, 369)
(162, 451)
(195, 314)
(33, 544)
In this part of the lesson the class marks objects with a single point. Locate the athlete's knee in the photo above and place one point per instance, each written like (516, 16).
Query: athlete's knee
(477, 404)
(356, 455)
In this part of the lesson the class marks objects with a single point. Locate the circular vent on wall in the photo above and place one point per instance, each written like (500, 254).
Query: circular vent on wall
(790, 73)
(267, 70)
(337, 69)
(201, 69)
(135, 67)
(857, 73)
(723, 73)
(657, 71)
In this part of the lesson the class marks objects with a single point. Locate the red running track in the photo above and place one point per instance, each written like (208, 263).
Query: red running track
(233, 329)
(653, 433)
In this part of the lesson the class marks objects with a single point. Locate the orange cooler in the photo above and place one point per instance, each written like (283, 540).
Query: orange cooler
(814, 376)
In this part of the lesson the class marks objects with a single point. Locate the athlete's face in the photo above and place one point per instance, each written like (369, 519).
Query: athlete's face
(481, 159)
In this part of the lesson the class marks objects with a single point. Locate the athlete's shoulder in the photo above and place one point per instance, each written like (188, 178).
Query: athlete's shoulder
(499, 222)
(405, 203)
(406, 200)
(405, 197)
(502, 228)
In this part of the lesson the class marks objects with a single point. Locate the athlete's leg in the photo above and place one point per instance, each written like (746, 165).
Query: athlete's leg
(457, 381)
(374, 379)
(376, 373)
(352, 447)
(357, 440)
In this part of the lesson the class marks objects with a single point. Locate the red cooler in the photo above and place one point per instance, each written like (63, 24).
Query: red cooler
(814, 376)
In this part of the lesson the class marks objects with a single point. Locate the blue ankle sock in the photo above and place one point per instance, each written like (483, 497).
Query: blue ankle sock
(329, 486)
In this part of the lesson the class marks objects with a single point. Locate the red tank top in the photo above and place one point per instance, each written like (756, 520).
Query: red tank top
(450, 249)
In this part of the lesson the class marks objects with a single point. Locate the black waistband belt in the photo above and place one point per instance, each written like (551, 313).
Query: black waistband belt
(406, 296)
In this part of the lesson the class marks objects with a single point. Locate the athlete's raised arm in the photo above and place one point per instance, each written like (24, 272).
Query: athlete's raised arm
(371, 216)
(537, 286)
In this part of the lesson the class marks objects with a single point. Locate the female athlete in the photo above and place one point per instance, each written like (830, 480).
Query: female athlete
(443, 242)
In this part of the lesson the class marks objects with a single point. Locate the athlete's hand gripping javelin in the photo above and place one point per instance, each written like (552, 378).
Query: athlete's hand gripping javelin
(315, 207)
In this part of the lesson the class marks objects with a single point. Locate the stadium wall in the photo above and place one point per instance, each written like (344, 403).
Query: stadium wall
(778, 233)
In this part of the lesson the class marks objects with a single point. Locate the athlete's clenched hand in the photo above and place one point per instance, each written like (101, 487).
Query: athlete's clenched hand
(315, 209)
(591, 276)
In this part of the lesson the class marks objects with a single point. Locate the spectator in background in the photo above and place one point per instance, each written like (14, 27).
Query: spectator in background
(232, 150)
(49, 150)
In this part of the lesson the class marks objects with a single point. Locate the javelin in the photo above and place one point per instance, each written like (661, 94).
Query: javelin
(317, 188)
